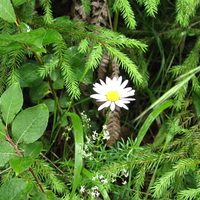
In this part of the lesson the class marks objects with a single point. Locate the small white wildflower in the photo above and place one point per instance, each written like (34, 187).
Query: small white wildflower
(95, 188)
(97, 193)
(93, 194)
(124, 183)
(106, 135)
(126, 175)
(101, 177)
(95, 135)
(104, 127)
(113, 180)
(95, 177)
(82, 189)
(104, 181)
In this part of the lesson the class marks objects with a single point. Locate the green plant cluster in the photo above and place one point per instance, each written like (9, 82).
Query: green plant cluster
(53, 138)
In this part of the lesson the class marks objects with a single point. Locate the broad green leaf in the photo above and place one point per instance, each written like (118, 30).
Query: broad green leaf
(38, 196)
(19, 164)
(6, 151)
(78, 135)
(33, 150)
(32, 38)
(30, 124)
(11, 102)
(38, 92)
(7, 11)
(65, 101)
(18, 2)
(50, 103)
(51, 37)
(2, 131)
(29, 76)
(15, 189)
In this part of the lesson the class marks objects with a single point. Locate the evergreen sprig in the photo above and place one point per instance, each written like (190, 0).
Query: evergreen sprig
(66, 71)
(127, 13)
(48, 16)
(185, 10)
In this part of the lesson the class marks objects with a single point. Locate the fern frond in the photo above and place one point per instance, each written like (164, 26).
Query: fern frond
(47, 68)
(185, 9)
(126, 63)
(66, 71)
(190, 63)
(151, 6)
(167, 180)
(94, 59)
(86, 6)
(46, 174)
(83, 46)
(189, 194)
(48, 17)
(127, 13)
(139, 180)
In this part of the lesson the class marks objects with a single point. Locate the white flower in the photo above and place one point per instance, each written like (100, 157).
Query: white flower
(82, 189)
(124, 183)
(113, 93)
(106, 135)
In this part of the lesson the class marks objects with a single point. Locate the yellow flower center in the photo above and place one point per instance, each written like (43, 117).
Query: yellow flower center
(112, 96)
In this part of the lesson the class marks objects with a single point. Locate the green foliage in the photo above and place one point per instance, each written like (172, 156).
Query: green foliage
(185, 10)
(29, 125)
(7, 11)
(127, 13)
(11, 103)
(54, 142)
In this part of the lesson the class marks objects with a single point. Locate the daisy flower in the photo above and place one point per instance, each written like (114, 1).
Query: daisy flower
(113, 92)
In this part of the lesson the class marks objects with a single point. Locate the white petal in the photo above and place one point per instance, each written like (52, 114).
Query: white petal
(108, 81)
(106, 104)
(102, 83)
(112, 106)
(98, 96)
(119, 103)
(124, 106)
(125, 93)
(123, 85)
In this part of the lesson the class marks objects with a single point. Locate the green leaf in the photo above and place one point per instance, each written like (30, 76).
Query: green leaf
(11, 102)
(32, 38)
(78, 135)
(15, 189)
(19, 164)
(18, 2)
(6, 151)
(7, 11)
(33, 150)
(2, 131)
(50, 103)
(51, 37)
(30, 124)
(38, 92)
(29, 76)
